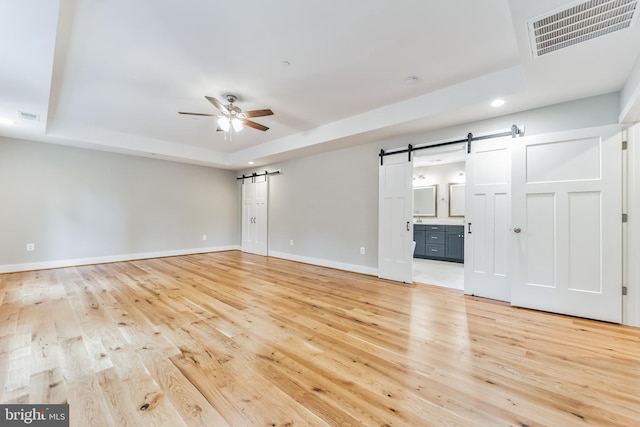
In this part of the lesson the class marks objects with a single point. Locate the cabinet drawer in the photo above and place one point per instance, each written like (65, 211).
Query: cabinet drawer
(435, 237)
(419, 227)
(431, 227)
(435, 250)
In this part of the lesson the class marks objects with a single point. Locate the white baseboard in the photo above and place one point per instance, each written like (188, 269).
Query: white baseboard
(326, 263)
(42, 265)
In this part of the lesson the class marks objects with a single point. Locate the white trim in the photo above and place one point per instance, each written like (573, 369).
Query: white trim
(326, 263)
(632, 300)
(13, 268)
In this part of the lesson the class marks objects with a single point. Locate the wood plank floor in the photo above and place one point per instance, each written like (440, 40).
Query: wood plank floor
(241, 340)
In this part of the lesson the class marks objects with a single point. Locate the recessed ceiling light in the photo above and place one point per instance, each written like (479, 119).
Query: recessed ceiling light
(251, 163)
(497, 103)
(7, 122)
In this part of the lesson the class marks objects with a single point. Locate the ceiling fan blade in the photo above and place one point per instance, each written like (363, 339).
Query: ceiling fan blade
(216, 103)
(254, 125)
(257, 113)
(197, 114)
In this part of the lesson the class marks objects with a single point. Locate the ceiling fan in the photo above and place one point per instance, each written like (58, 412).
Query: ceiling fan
(233, 118)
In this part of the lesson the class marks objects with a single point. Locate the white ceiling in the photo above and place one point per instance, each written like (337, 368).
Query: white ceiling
(112, 74)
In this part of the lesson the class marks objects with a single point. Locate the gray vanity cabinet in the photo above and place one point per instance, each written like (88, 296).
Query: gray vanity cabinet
(441, 242)
(454, 236)
(420, 237)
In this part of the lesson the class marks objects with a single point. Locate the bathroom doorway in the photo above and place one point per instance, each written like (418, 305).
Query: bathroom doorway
(438, 216)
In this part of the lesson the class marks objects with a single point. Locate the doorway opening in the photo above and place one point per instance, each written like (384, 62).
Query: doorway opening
(438, 216)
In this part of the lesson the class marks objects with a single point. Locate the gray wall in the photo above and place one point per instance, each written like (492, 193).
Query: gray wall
(74, 203)
(583, 113)
(328, 205)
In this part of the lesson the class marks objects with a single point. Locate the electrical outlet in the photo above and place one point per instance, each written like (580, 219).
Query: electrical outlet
(361, 250)
(31, 247)
(204, 237)
(290, 242)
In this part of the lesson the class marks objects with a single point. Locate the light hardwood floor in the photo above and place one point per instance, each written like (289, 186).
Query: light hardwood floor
(241, 340)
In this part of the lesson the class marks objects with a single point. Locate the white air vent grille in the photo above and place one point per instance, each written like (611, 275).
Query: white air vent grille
(579, 23)
(29, 116)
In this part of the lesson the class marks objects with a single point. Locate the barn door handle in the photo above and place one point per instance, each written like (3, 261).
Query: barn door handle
(408, 222)
(469, 232)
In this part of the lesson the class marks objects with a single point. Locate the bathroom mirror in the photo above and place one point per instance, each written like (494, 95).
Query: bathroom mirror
(456, 200)
(424, 200)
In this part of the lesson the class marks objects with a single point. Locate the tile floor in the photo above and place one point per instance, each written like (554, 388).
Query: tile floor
(439, 273)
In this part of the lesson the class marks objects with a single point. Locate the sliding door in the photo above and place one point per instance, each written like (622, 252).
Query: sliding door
(487, 217)
(255, 193)
(395, 230)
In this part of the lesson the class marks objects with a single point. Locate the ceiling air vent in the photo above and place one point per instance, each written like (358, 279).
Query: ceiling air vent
(578, 23)
(29, 116)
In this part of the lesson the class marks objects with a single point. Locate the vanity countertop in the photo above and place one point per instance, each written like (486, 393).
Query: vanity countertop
(457, 221)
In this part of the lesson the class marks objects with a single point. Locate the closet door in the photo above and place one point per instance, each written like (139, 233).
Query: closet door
(567, 223)
(254, 215)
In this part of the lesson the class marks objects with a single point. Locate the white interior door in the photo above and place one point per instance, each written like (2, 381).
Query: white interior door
(567, 225)
(395, 220)
(254, 215)
(487, 217)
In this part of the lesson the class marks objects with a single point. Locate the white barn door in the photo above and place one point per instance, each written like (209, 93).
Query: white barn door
(487, 217)
(395, 221)
(567, 223)
(254, 215)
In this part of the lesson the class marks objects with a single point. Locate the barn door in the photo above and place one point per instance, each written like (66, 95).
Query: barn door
(487, 217)
(254, 215)
(395, 229)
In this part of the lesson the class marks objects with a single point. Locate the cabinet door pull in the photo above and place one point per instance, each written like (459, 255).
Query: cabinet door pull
(408, 222)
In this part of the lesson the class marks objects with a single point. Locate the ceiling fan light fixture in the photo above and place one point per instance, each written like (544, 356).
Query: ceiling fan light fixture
(224, 123)
(237, 124)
